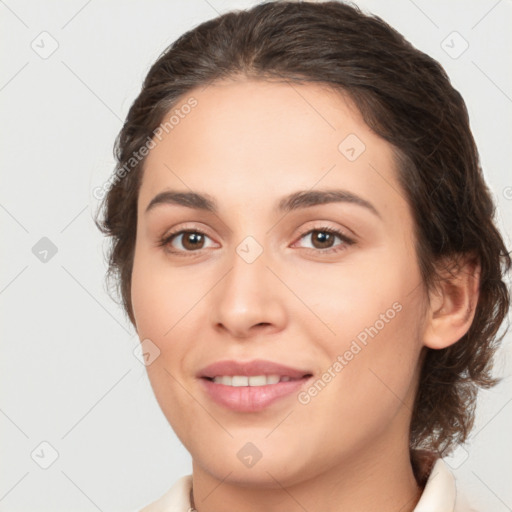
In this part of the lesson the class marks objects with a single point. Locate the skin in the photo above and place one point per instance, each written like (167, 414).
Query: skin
(247, 144)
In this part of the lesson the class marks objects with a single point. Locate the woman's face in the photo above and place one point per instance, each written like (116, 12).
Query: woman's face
(304, 258)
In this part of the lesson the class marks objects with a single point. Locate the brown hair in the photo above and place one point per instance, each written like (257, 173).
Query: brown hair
(407, 99)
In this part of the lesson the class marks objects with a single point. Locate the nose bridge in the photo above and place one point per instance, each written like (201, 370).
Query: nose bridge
(248, 295)
(247, 282)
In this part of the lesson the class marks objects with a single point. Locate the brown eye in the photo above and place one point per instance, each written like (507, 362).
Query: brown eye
(322, 239)
(192, 240)
(185, 241)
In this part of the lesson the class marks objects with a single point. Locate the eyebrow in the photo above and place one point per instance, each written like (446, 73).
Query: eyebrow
(294, 201)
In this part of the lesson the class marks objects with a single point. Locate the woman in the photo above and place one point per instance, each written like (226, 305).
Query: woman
(302, 234)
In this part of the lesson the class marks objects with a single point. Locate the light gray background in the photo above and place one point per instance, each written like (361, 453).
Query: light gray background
(67, 369)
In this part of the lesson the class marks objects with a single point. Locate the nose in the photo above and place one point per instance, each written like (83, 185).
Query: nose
(249, 300)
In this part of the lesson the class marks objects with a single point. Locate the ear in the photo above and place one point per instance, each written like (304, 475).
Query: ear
(452, 302)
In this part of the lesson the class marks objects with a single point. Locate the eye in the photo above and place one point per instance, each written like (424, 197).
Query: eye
(187, 240)
(323, 239)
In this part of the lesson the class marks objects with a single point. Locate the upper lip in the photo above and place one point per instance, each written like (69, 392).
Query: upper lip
(251, 368)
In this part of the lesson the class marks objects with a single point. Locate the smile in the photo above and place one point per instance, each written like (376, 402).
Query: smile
(251, 386)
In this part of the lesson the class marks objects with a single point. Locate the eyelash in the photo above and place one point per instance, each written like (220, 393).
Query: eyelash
(167, 239)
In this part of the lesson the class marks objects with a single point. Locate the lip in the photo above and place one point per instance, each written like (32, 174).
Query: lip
(251, 398)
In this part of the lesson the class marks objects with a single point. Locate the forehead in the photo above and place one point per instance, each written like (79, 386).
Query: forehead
(254, 136)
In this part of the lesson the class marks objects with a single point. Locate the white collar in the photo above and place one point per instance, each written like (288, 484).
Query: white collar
(439, 494)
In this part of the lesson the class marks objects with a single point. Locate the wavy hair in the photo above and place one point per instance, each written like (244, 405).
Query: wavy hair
(407, 99)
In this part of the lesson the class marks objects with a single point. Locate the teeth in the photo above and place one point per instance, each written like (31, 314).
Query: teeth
(257, 380)
(253, 380)
(239, 381)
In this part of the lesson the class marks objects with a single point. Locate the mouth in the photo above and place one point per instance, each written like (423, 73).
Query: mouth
(251, 386)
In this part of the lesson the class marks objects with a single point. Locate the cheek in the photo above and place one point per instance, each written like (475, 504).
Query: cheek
(373, 311)
(168, 311)
(357, 294)
(161, 297)
(370, 385)
(378, 364)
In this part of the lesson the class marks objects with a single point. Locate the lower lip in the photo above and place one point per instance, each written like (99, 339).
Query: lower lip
(251, 398)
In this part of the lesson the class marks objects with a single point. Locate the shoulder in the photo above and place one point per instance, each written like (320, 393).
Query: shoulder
(462, 504)
(176, 499)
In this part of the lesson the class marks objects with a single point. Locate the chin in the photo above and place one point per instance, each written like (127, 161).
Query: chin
(269, 469)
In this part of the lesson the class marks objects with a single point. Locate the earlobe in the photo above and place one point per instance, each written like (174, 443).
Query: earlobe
(452, 304)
